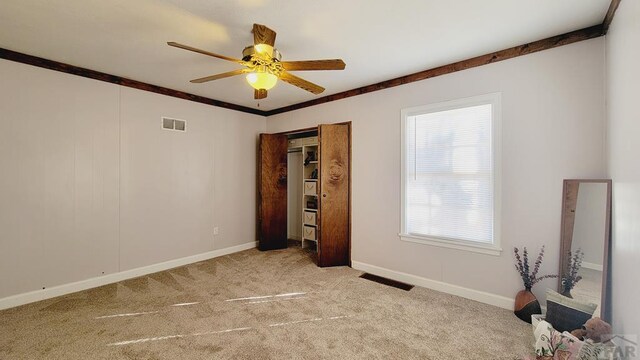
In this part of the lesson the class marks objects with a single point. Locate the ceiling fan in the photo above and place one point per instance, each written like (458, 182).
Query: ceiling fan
(263, 67)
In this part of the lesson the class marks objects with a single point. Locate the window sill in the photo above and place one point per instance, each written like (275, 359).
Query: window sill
(453, 244)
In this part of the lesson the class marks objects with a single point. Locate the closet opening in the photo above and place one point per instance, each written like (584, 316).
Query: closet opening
(304, 192)
(302, 189)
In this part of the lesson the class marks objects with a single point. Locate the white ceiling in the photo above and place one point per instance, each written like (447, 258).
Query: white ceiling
(378, 39)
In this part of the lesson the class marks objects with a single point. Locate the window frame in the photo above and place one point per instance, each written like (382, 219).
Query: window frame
(495, 99)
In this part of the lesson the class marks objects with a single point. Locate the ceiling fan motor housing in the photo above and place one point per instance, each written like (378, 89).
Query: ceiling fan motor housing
(263, 61)
(250, 51)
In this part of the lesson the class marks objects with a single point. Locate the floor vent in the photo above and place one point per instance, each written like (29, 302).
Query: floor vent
(388, 282)
(174, 124)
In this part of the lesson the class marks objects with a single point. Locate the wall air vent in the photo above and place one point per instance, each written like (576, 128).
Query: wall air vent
(174, 124)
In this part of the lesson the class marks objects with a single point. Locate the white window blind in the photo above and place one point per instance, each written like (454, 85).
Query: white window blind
(449, 192)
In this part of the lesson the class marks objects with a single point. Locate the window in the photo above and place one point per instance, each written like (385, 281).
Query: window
(450, 174)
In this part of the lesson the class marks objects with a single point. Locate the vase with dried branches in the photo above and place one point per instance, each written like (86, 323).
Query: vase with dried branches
(526, 303)
(571, 278)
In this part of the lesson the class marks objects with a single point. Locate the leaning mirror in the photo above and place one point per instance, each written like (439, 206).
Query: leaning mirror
(585, 242)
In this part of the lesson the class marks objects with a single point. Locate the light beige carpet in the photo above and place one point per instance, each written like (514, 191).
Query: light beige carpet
(260, 305)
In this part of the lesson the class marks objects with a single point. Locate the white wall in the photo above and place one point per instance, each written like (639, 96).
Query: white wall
(623, 87)
(59, 158)
(90, 184)
(589, 225)
(553, 126)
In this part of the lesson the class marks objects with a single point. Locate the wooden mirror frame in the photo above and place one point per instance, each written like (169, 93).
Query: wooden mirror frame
(569, 201)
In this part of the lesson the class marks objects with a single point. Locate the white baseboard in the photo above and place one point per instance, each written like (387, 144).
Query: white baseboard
(480, 296)
(33, 296)
(592, 266)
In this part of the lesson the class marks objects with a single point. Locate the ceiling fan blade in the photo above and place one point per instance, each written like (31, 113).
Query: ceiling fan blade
(301, 83)
(260, 94)
(263, 35)
(187, 47)
(220, 76)
(329, 64)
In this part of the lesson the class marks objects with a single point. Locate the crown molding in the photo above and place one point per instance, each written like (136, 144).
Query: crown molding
(96, 75)
(609, 17)
(510, 53)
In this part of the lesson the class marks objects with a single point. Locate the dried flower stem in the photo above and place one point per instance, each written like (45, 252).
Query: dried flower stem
(522, 266)
(575, 263)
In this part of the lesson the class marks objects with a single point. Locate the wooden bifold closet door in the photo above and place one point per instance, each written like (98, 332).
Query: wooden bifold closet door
(334, 209)
(272, 192)
(334, 218)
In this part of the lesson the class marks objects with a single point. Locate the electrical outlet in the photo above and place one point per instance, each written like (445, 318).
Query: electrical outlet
(216, 230)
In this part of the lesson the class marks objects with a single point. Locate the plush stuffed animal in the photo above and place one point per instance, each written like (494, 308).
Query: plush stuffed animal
(595, 329)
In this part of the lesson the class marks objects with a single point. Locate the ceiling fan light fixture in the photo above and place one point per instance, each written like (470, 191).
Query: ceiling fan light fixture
(263, 66)
(262, 80)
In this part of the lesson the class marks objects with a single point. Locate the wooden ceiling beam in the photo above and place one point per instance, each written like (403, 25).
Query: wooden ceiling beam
(540, 45)
(609, 17)
(510, 53)
(96, 75)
